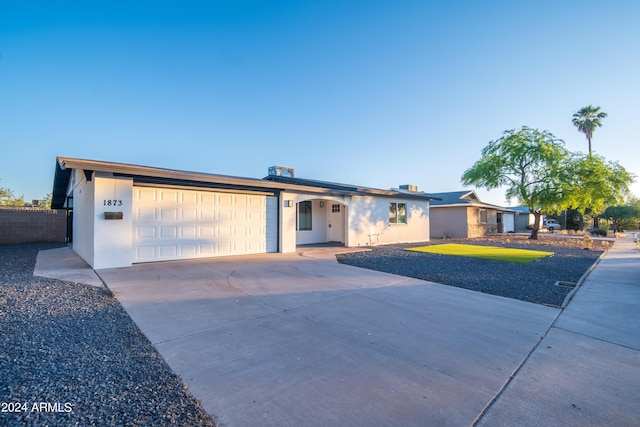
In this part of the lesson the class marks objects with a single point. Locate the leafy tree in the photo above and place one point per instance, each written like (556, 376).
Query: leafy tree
(624, 216)
(574, 219)
(7, 198)
(531, 164)
(45, 202)
(597, 184)
(587, 119)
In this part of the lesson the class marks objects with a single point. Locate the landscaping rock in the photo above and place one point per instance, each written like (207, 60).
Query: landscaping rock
(71, 355)
(534, 282)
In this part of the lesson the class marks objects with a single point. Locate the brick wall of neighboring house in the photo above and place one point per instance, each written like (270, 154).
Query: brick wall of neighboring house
(32, 226)
(481, 229)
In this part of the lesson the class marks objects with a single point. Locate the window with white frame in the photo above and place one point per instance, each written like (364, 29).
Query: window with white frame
(304, 216)
(397, 213)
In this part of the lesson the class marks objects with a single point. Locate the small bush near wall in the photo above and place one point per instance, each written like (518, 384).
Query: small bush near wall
(32, 226)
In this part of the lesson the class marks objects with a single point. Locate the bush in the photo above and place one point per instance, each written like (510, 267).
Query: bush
(598, 232)
(630, 223)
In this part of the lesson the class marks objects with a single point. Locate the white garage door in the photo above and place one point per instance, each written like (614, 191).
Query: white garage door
(509, 221)
(170, 224)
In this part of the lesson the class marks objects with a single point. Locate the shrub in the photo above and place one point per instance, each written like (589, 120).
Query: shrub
(598, 232)
(630, 223)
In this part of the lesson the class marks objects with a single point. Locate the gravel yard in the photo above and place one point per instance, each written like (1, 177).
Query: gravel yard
(533, 282)
(70, 355)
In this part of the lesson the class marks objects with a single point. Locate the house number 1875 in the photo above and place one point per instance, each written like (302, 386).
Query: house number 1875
(112, 202)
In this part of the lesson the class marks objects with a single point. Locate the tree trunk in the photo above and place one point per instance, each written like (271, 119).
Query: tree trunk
(536, 226)
(596, 222)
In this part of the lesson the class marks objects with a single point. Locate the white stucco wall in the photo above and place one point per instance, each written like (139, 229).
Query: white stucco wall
(102, 243)
(108, 243)
(82, 192)
(318, 232)
(369, 222)
(287, 224)
(113, 238)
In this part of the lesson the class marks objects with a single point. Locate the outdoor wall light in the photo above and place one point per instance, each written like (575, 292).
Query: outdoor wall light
(288, 203)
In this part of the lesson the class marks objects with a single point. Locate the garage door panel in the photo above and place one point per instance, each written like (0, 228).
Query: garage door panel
(168, 251)
(207, 249)
(224, 248)
(207, 199)
(145, 213)
(255, 231)
(224, 232)
(145, 252)
(188, 250)
(168, 213)
(207, 232)
(168, 232)
(146, 232)
(189, 197)
(189, 214)
(168, 196)
(180, 224)
(188, 232)
(146, 195)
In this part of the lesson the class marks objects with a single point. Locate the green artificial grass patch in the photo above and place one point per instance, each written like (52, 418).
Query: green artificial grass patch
(521, 256)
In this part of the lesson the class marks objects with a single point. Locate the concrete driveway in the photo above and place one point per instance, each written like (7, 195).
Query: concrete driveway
(300, 339)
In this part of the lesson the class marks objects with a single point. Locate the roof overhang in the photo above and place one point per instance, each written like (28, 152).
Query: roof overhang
(350, 189)
(146, 175)
(474, 205)
(60, 183)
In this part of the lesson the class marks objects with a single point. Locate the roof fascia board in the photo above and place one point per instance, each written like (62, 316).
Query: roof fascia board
(473, 205)
(334, 187)
(193, 178)
(184, 176)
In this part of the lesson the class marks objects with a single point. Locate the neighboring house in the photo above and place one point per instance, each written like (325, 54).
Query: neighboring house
(124, 214)
(462, 214)
(524, 218)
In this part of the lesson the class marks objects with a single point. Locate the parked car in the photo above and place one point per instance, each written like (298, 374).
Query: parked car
(551, 225)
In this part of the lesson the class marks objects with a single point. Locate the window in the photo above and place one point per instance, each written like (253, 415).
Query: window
(335, 208)
(482, 216)
(304, 216)
(397, 213)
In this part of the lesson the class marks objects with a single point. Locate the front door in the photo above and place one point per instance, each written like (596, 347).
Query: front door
(336, 223)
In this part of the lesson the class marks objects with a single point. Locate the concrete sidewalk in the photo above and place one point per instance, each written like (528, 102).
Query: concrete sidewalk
(586, 370)
(64, 264)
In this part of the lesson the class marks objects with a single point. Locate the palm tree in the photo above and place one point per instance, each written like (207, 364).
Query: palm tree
(587, 120)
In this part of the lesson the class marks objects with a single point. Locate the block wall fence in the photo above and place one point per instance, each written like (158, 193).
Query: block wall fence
(32, 226)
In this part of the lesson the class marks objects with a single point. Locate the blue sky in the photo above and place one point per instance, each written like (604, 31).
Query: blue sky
(375, 93)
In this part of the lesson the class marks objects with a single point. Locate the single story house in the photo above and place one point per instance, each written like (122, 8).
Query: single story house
(124, 214)
(462, 214)
(524, 218)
